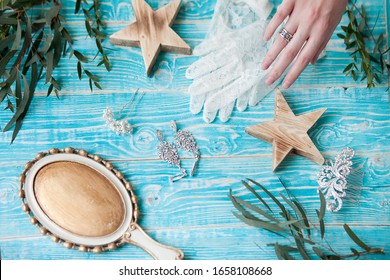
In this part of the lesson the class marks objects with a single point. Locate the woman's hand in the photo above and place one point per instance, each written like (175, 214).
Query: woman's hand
(311, 22)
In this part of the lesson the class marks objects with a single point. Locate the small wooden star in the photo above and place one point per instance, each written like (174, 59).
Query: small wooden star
(288, 132)
(152, 32)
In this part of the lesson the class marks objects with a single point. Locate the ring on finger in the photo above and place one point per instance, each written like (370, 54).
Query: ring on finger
(287, 36)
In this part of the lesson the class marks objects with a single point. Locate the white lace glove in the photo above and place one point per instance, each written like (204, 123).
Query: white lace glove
(229, 68)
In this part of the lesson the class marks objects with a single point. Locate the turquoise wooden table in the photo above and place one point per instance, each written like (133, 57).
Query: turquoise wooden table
(195, 214)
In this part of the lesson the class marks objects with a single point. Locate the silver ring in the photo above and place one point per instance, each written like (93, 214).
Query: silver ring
(287, 36)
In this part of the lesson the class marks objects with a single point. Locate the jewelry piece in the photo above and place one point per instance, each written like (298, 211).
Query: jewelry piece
(186, 141)
(333, 179)
(168, 152)
(120, 127)
(287, 36)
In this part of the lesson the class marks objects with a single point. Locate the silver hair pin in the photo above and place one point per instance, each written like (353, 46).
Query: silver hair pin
(168, 152)
(121, 127)
(186, 141)
(332, 179)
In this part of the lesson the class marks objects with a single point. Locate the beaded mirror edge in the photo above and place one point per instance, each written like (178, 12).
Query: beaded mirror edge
(44, 231)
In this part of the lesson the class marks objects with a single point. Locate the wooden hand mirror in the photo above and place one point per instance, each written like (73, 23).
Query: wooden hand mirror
(81, 201)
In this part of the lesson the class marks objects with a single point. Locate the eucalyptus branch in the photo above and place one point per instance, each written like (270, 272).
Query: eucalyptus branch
(30, 43)
(295, 225)
(93, 25)
(355, 37)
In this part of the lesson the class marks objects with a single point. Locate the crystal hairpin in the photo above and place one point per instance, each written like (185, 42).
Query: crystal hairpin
(120, 127)
(332, 179)
(186, 141)
(168, 152)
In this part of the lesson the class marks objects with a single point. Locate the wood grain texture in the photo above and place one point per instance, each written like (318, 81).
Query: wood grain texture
(195, 213)
(152, 32)
(79, 199)
(288, 132)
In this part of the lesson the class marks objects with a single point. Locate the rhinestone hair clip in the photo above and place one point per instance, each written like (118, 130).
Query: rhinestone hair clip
(332, 179)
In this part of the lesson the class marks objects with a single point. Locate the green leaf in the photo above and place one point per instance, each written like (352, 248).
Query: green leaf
(91, 76)
(6, 41)
(80, 56)
(18, 37)
(378, 43)
(49, 67)
(362, 24)
(322, 225)
(64, 48)
(285, 248)
(48, 41)
(272, 197)
(39, 21)
(106, 63)
(33, 53)
(57, 93)
(319, 252)
(57, 44)
(8, 20)
(88, 28)
(4, 92)
(55, 84)
(97, 85)
(257, 210)
(4, 61)
(10, 106)
(21, 109)
(77, 6)
(79, 73)
(87, 14)
(322, 206)
(50, 89)
(282, 254)
(18, 91)
(349, 67)
(240, 208)
(304, 216)
(340, 35)
(256, 194)
(52, 13)
(99, 46)
(356, 239)
(90, 85)
(66, 35)
(302, 249)
(260, 224)
(297, 212)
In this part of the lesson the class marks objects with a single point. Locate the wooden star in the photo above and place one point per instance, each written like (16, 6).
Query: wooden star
(152, 32)
(288, 132)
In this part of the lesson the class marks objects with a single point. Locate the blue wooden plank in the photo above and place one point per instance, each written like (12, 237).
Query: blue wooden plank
(195, 213)
(77, 120)
(202, 201)
(242, 243)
